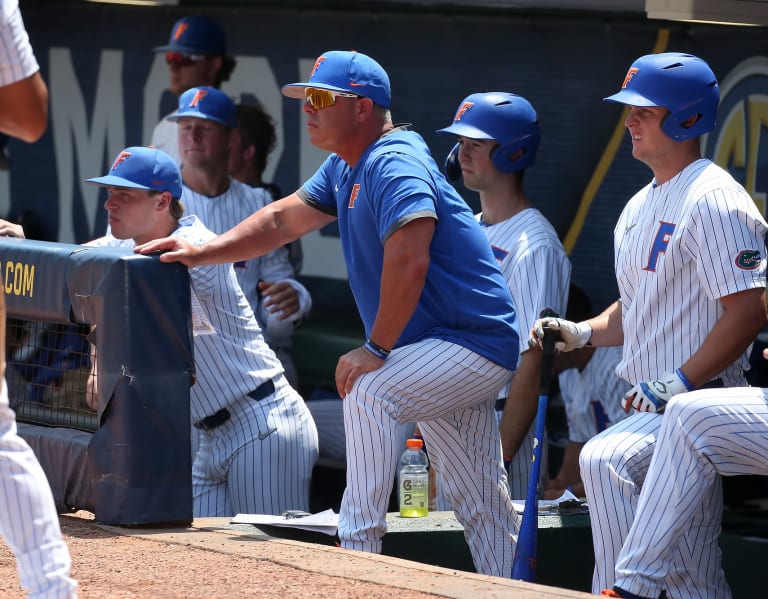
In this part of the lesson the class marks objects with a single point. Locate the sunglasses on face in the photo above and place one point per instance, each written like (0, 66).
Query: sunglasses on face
(321, 98)
(182, 60)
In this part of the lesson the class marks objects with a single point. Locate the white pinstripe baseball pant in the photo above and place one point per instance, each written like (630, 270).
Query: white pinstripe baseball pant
(258, 462)
(28, 519)
(613, 466)
(450, 391)
(704, 434)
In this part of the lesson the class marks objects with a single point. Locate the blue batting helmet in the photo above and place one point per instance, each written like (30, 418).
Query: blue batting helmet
(682, 83)
(508, 119)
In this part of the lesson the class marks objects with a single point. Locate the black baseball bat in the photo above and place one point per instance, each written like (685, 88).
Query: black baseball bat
(524, 564)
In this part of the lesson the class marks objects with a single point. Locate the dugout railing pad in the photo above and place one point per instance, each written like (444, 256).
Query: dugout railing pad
(135, 468)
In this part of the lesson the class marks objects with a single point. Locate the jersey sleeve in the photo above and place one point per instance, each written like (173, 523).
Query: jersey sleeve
(728, 237)
(402, 191)
(318, 190)
(539, 280)
(17, 60)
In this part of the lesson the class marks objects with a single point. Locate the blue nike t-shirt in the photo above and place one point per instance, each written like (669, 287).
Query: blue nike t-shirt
(465, 299)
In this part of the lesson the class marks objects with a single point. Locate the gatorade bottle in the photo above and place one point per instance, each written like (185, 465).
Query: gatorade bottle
(414, 480)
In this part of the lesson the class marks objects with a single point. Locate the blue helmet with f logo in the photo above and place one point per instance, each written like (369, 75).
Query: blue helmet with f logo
(508, 119)
(682, 83)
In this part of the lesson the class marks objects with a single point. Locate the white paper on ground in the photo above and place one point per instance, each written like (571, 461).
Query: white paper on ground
(325, 522)
(545, 504)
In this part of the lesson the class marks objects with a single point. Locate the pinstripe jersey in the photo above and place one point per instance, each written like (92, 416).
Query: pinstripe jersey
(679, 247)
(592, 396)
(221, 213)
(165, 137)
(231, 356)
(534, 265)
(18, 60)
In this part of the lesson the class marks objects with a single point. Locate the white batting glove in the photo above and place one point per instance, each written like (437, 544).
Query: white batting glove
(572, 334)
(652, 396)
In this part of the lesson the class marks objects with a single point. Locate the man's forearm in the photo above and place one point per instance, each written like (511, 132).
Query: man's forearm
(275, 225)
(406, 262)
(607, 327)
(742, 320)
(522, 403)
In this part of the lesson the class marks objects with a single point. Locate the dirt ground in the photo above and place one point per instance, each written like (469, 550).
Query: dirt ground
(122, 567)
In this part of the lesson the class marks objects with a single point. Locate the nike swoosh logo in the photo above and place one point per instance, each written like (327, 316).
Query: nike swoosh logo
(353, 84)
(263, 436)
(629, 228)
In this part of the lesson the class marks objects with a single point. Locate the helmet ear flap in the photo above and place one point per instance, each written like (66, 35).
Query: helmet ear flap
(452, 168)
(674, 126)
(502, 158)
(507, 158)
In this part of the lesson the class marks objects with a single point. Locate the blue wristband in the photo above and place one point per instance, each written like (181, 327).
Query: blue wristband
(685, 380)
(376, 349)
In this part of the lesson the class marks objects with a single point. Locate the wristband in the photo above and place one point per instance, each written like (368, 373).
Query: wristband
(376, 349)
(684, 379)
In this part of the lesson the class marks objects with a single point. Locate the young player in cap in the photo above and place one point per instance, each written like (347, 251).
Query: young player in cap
(196, 54)
(499, 136)
(440, 326)
(691, 272)
(207, 120)
(258, 443)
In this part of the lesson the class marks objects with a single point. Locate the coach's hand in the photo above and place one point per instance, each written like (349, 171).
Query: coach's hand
(652, 396)
(572, 334)
(351, 365)
(171, 249)
(9, 229)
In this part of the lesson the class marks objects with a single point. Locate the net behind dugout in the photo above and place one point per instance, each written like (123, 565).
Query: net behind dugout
(48, 366)
(129, 461)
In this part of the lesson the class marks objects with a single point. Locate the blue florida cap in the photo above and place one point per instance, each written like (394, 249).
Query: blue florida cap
(143, 168)
(206, 103)
(350, 72)
(196, 35)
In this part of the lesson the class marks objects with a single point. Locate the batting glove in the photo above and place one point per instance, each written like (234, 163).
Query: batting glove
(652, 396)
(572, 334)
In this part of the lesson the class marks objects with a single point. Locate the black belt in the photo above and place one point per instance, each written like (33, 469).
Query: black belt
(213, 421)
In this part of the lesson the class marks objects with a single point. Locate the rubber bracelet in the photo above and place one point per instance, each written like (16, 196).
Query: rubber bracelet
(376, 350)
(685, 380)
(378, 347)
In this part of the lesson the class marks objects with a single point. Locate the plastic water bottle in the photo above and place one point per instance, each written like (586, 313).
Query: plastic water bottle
(414, 480)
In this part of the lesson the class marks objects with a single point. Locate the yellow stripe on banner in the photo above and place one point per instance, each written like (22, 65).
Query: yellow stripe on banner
(662, 40)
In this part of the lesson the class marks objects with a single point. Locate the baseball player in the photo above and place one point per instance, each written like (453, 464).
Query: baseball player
(250, 145)
(589, 388)
(440, 326)
(207, 120)
(704, 435)
(691, 272)
(196, 54)
(498, 138)
(28, 519)
(258, 443)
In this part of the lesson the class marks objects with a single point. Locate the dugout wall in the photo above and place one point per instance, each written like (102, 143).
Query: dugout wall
(129, 462)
